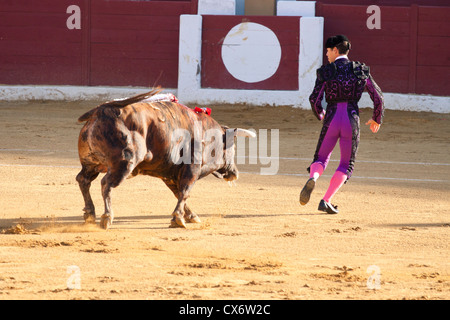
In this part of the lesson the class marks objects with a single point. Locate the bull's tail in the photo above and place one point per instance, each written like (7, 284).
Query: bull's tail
(119, 103)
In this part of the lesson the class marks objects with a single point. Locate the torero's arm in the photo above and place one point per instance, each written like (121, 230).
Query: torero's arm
(316, 96)
(378, 104)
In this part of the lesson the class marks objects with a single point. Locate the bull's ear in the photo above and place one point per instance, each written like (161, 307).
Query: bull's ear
(245, 133)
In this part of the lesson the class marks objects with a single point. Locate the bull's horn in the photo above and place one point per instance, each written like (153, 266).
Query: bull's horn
(245, 133)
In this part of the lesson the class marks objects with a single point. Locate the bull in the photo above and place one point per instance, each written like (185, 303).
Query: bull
(127, 137)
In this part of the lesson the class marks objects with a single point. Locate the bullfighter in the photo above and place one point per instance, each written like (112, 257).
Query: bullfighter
(343, 82)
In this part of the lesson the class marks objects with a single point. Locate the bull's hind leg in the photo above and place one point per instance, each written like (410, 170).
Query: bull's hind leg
(112, 179)
(84, 178)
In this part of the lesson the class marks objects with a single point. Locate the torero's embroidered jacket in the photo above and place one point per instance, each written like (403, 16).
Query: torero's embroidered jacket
(345, 81)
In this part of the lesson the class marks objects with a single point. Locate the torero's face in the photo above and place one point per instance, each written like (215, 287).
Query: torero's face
(332, 54)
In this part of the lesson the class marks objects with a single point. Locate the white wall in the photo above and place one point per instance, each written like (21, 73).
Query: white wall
(296, 8)
(394, 101)
(219, 7)
(189, 56)
(69, 93)
(189, 82)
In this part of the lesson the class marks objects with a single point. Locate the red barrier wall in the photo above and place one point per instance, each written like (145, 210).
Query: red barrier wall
(433, 50)
(409, 54)
(135, 43)
(36, 47)
(400, 3)
(120, 43)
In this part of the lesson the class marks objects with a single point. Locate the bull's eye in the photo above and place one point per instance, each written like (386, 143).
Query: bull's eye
(213, 153)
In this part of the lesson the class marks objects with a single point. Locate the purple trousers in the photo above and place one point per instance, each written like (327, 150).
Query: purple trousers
(341, 123)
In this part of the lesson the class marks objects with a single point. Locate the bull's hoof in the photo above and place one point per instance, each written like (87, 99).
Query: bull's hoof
(105, 221)
(177, 222)
(89, 218)
(193, 219)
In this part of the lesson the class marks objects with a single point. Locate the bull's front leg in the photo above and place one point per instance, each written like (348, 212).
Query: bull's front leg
(182, 215)
(178, 220)
(84, 178)
(189, 216)
(188, 177)
(108, 216)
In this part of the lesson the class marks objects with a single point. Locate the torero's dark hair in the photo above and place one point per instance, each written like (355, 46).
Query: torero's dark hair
(340, 41)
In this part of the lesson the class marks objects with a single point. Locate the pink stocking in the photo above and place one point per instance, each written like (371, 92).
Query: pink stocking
(336, 182)
(315, 170)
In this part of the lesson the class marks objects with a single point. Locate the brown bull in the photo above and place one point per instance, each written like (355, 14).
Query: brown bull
(160, 138)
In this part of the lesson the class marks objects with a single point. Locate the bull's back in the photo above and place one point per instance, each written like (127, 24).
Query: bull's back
(143, 130)
(156, 122)
(162, 119)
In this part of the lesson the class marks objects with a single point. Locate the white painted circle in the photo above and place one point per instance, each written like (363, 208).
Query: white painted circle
(251, 52)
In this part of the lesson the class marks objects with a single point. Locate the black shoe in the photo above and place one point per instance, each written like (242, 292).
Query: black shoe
(306, 191)
(327, 207)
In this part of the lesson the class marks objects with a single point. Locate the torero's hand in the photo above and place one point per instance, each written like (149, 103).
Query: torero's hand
(322, 115)
(374, 126)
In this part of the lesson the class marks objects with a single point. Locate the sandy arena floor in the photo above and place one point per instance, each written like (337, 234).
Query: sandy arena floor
(255, 240)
